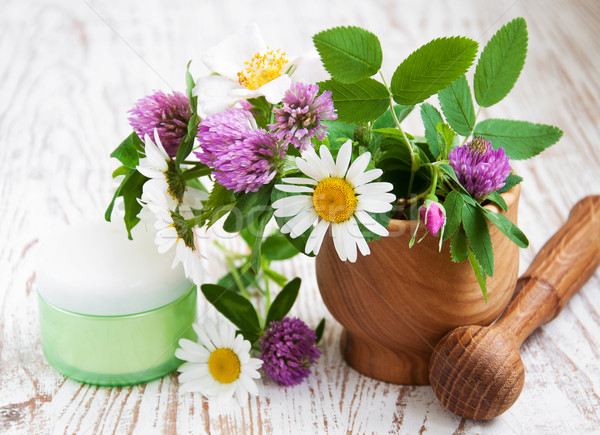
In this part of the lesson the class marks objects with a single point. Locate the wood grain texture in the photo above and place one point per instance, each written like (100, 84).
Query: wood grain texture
(398, 302)
(70, 70)
(476, 371)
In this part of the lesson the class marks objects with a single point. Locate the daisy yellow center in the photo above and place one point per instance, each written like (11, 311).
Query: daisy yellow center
(334, 200)
(262, 68)
(224, 365)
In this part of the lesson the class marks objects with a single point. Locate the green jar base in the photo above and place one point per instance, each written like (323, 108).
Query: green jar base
(116, 350)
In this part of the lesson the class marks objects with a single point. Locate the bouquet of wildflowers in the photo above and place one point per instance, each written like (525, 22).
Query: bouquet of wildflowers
(315, 144)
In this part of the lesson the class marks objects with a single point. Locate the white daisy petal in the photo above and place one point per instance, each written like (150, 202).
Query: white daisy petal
(291, 188)
(249, 384)
(300, 227)
(338, 241)
(327, 159)
(315, 161)
(292, 205)
(373, 206)
(374, 188)
(198, 372)
(366, 177)
(350, 240)
(315, 240)
(370, 223)
(358, 166)
(291, 224)
(343, 159)
(203, 338)
(307, 169)
(383, 197)
(300, 180)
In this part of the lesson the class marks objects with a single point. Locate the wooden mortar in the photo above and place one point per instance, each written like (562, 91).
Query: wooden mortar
(476, 371)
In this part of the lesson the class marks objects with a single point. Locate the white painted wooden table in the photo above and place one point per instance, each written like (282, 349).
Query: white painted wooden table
(69, 71)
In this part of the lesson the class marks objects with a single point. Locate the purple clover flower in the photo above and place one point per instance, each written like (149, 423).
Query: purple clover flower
(168, 114)
(479, 168)
(299, 119)
(244, 157)
(433, 216)
(288, 348)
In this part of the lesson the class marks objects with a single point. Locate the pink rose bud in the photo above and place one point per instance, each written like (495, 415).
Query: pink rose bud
(433, 216)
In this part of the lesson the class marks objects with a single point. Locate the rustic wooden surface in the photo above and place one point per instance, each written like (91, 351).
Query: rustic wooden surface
(69, 71)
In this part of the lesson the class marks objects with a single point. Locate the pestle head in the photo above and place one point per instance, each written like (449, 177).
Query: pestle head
(476, 372)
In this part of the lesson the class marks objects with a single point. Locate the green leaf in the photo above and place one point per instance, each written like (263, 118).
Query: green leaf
(261, 110)
(121, 170)
(447, 139)
(511, 181)
(509, 229)
(431, 68)
(362, 101)
(477, 232)
(279, 279)
(459, 246)
(128, 152)
(276, 248)
(228, 281)
(501, 62)
(479, 274)
(457, 105)
(497, 199)
(387, 120)
(247, 209)
(131, 190)
(319, 331)
(190, 84)
(186, 145)
(261, 223)
(520, 139)
(431, 118)
(338, 133)
(220, 202)
(283, 302)
(454, 205)
(233, 306)
(349, 54)
(450, 172)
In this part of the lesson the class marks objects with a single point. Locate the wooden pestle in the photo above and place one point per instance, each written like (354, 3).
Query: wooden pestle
(476, 371)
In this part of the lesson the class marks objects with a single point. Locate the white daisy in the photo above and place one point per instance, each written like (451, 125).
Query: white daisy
(160, 168)
(219, 364)
(246, 68)
(335, 195)
(172, 229)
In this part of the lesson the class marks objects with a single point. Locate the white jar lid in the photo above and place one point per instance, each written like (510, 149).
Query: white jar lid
(93, 268)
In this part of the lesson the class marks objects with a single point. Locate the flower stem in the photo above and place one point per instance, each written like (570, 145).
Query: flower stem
(196, 172)
(413, 163)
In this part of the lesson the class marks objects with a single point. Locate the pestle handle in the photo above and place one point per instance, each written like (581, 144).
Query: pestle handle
(558, 271)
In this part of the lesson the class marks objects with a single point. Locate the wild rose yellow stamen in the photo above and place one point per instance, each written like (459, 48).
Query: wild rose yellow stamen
(262, 68)
(334, 200)
(224, 365)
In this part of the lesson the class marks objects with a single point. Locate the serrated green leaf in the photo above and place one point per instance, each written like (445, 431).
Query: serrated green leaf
(338, 133)
(319, 331)
(509, 229)
(457, 105)
(447, 139)
(349, 54)
(459, 247)
(358, 102)
(431, 68)
(387, 120)
(283, 302)
(497, 199)
(276, 248)
(233, 306)
(501, 62)
(131, 190)
(520, 139)
(128, 151)
(261, 223)
(220, 202)
(477, 231)
(431, 118)
(247, 209)
(479, 274)
(453, 205)
(511, 181)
